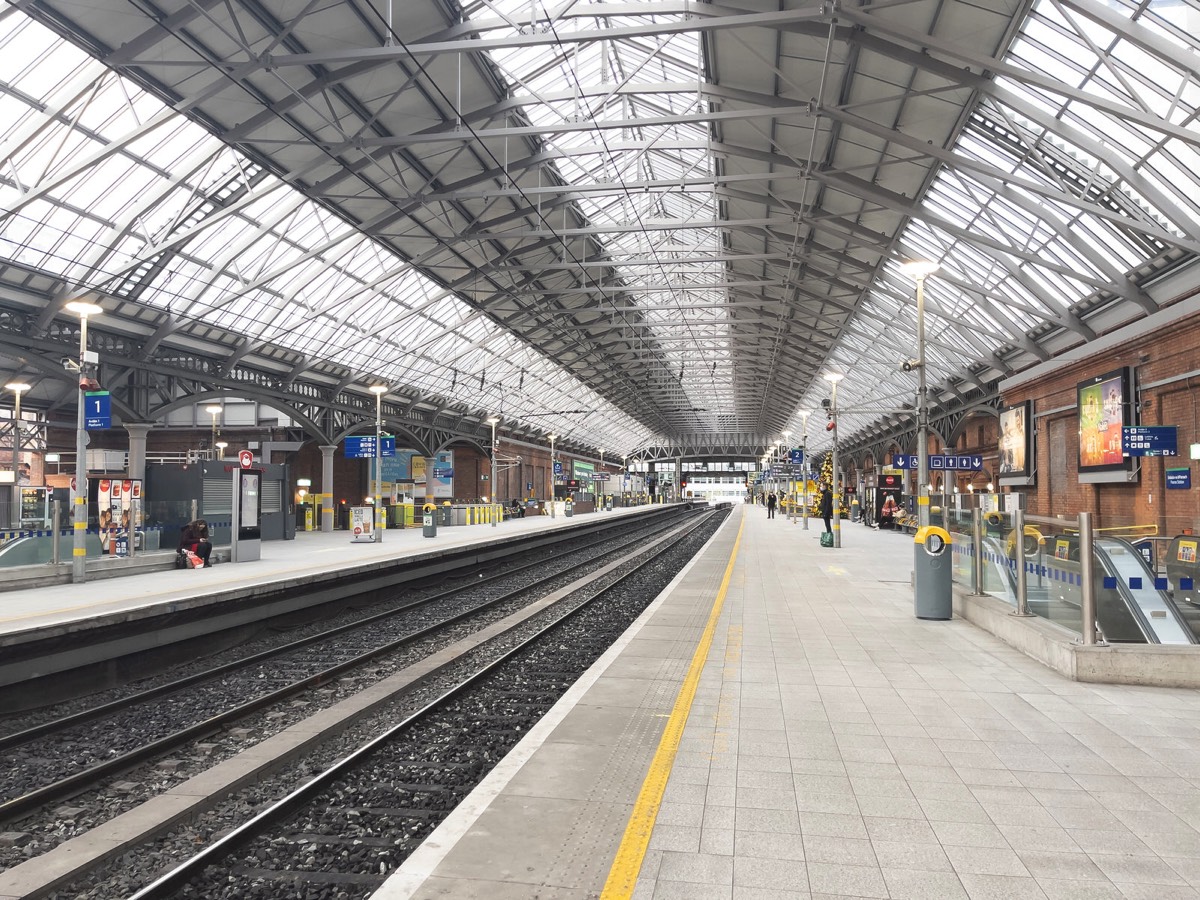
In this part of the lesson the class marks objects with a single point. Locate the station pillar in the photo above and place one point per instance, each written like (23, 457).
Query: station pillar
(430, 462)
(327, 451)
(137, 450)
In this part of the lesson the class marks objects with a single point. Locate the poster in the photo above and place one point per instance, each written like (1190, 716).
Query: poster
(1015, 442)
(1102, 403)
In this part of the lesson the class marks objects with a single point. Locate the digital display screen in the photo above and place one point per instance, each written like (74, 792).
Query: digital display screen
(1104, 409)
(1016, 433)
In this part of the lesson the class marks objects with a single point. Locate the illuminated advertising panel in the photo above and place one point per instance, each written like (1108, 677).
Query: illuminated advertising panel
(1105, 407)
(1016, 439)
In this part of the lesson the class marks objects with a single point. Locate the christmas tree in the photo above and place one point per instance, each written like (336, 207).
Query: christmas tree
(826, 477)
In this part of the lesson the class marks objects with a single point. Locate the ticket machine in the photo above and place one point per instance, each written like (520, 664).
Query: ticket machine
(246, 533)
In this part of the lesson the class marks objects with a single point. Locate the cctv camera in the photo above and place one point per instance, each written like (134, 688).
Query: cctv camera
(909, 364)
(69, 364)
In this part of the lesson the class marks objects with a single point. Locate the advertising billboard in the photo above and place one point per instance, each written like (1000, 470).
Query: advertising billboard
(1105, 407)
(1016, 439)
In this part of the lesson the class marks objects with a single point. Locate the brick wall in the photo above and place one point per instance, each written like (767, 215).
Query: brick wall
(1160, 356)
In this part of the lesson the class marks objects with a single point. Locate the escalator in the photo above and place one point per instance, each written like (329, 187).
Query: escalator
(1128, 611)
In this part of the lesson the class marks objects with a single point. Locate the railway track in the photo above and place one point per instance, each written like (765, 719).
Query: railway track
(69, 862)
(44, 760)
(342, 832)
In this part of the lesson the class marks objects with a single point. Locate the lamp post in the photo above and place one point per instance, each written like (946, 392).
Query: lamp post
(553, 474)
(494, 421)
(920, 270)
(833, 378)
(378, 390)
(804, 413)
(17, 387)
(83, 309)
(214, 410)
(221, 445)
(791, 479)
(596, 481)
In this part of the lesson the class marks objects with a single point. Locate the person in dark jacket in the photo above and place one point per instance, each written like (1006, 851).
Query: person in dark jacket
(194, 537)
(827, 507)
(771, 501)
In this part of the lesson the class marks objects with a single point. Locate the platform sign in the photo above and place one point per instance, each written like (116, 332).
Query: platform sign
(600, 476)
(557, 467)
(796, 456)
(97, 410)
(1149, 440)
(442, 473)
(938, 462)
(1179, 479)
(364, 447)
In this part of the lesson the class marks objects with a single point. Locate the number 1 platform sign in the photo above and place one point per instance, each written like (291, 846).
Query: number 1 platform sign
(97, 410)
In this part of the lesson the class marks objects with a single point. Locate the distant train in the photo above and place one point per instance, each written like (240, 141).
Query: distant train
(715, 489)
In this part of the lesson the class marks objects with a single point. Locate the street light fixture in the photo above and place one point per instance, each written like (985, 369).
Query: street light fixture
(17, 387)
(833, 378)
(494, 421)
(221, 445)
(83, 309)
(378, 390)
(804, 414)
(920, 270)
(553, 475)
(214, 410)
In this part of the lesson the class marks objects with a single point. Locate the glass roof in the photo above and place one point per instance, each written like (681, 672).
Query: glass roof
(125, 177)
(1020, 252)
(1075, 168)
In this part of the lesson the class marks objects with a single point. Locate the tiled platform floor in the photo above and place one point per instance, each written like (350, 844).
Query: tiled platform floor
(840, 747)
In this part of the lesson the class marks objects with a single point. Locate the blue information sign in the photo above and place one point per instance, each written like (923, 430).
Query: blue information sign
(364, 447)
(938, 462)
(796, 456)
(443, 473)
(97, 410)
(557, 468)
(1149, 440)
(1179, 479)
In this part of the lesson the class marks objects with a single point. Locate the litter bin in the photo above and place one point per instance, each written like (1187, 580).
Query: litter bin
(608, 504)
(933, 570)
(428, 520)
(570, 507)
(445, 513)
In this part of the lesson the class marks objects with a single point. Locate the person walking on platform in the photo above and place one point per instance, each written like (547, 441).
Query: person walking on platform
(194, 537)
(771, 501)
(827, 507)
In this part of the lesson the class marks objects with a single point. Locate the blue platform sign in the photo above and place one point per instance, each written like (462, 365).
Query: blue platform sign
(97, 410)
(796, 456)
(1149, 440)
(557, 468)
(1179, 479)
(443, 473)
(364, 447)
(938, 462)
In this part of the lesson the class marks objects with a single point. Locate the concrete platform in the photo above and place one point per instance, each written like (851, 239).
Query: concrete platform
(35, 612)
(826, 743)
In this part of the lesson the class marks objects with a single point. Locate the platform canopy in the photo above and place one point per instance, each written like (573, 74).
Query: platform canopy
(634, 224)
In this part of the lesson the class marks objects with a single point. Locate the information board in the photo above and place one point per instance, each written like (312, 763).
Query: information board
(1149, 440)
(938, 462)
(1179, 479)
(364, 447)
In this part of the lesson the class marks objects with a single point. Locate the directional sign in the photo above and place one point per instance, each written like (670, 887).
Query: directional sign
(97, 410)
(364, 447)
(557, 468)
(1149, 440)
(442, 473)
(938, 462)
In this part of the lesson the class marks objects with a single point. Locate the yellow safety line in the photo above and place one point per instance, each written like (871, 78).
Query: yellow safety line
(623, 874)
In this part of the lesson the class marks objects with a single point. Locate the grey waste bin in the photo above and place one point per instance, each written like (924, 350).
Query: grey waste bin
(570, 507)
(933, 570)
(429, 520)
(444, 515)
